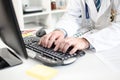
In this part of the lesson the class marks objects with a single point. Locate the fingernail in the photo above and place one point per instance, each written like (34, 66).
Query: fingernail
(54, 49)
(70, 53)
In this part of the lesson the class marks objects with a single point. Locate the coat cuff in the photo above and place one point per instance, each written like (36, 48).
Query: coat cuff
(63, 30)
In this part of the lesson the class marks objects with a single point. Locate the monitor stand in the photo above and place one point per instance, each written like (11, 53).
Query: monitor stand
(8, 58)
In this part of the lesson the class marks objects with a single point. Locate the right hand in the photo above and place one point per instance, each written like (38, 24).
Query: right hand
(53, 37)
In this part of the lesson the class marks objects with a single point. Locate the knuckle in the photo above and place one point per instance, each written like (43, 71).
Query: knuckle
(68, 43)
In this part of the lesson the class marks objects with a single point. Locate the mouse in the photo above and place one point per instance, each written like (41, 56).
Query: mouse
(40, 32)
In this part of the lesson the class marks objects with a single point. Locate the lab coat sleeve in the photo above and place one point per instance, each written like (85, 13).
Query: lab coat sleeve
(108, 37)
(70, 21)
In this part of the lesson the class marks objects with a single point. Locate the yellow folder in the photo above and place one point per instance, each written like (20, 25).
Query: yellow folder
(41, 72)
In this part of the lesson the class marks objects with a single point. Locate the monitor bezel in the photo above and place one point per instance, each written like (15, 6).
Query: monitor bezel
(10, 13)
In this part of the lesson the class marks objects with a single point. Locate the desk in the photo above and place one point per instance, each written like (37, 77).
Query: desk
(88, 67)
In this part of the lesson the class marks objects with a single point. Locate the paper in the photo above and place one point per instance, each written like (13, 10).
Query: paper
(111, 58)
(26, 33)
(41, 72)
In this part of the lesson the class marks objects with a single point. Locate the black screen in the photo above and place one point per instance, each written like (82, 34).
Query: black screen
(9, 29)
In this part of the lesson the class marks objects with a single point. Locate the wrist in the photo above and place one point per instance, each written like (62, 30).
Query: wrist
(87, 44)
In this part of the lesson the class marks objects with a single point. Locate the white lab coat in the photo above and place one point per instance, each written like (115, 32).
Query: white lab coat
(106, 34)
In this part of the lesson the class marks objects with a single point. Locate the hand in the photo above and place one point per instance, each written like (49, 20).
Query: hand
(76, 43)
(48, 39)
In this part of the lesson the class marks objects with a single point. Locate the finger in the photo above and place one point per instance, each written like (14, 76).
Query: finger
(61, 47)
(40, 41)
(56, 46)
(66, 47)
(57, 43)
(73, 50)
(45, 40)
(51, 41)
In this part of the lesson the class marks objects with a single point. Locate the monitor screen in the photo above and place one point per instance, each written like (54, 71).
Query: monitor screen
(9, 28)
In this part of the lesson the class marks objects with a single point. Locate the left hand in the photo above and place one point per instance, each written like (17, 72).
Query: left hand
(77, 43)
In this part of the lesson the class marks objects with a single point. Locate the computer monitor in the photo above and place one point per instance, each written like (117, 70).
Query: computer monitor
(9, 28)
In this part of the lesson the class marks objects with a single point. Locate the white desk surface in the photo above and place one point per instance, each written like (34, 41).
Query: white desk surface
(88, 67)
